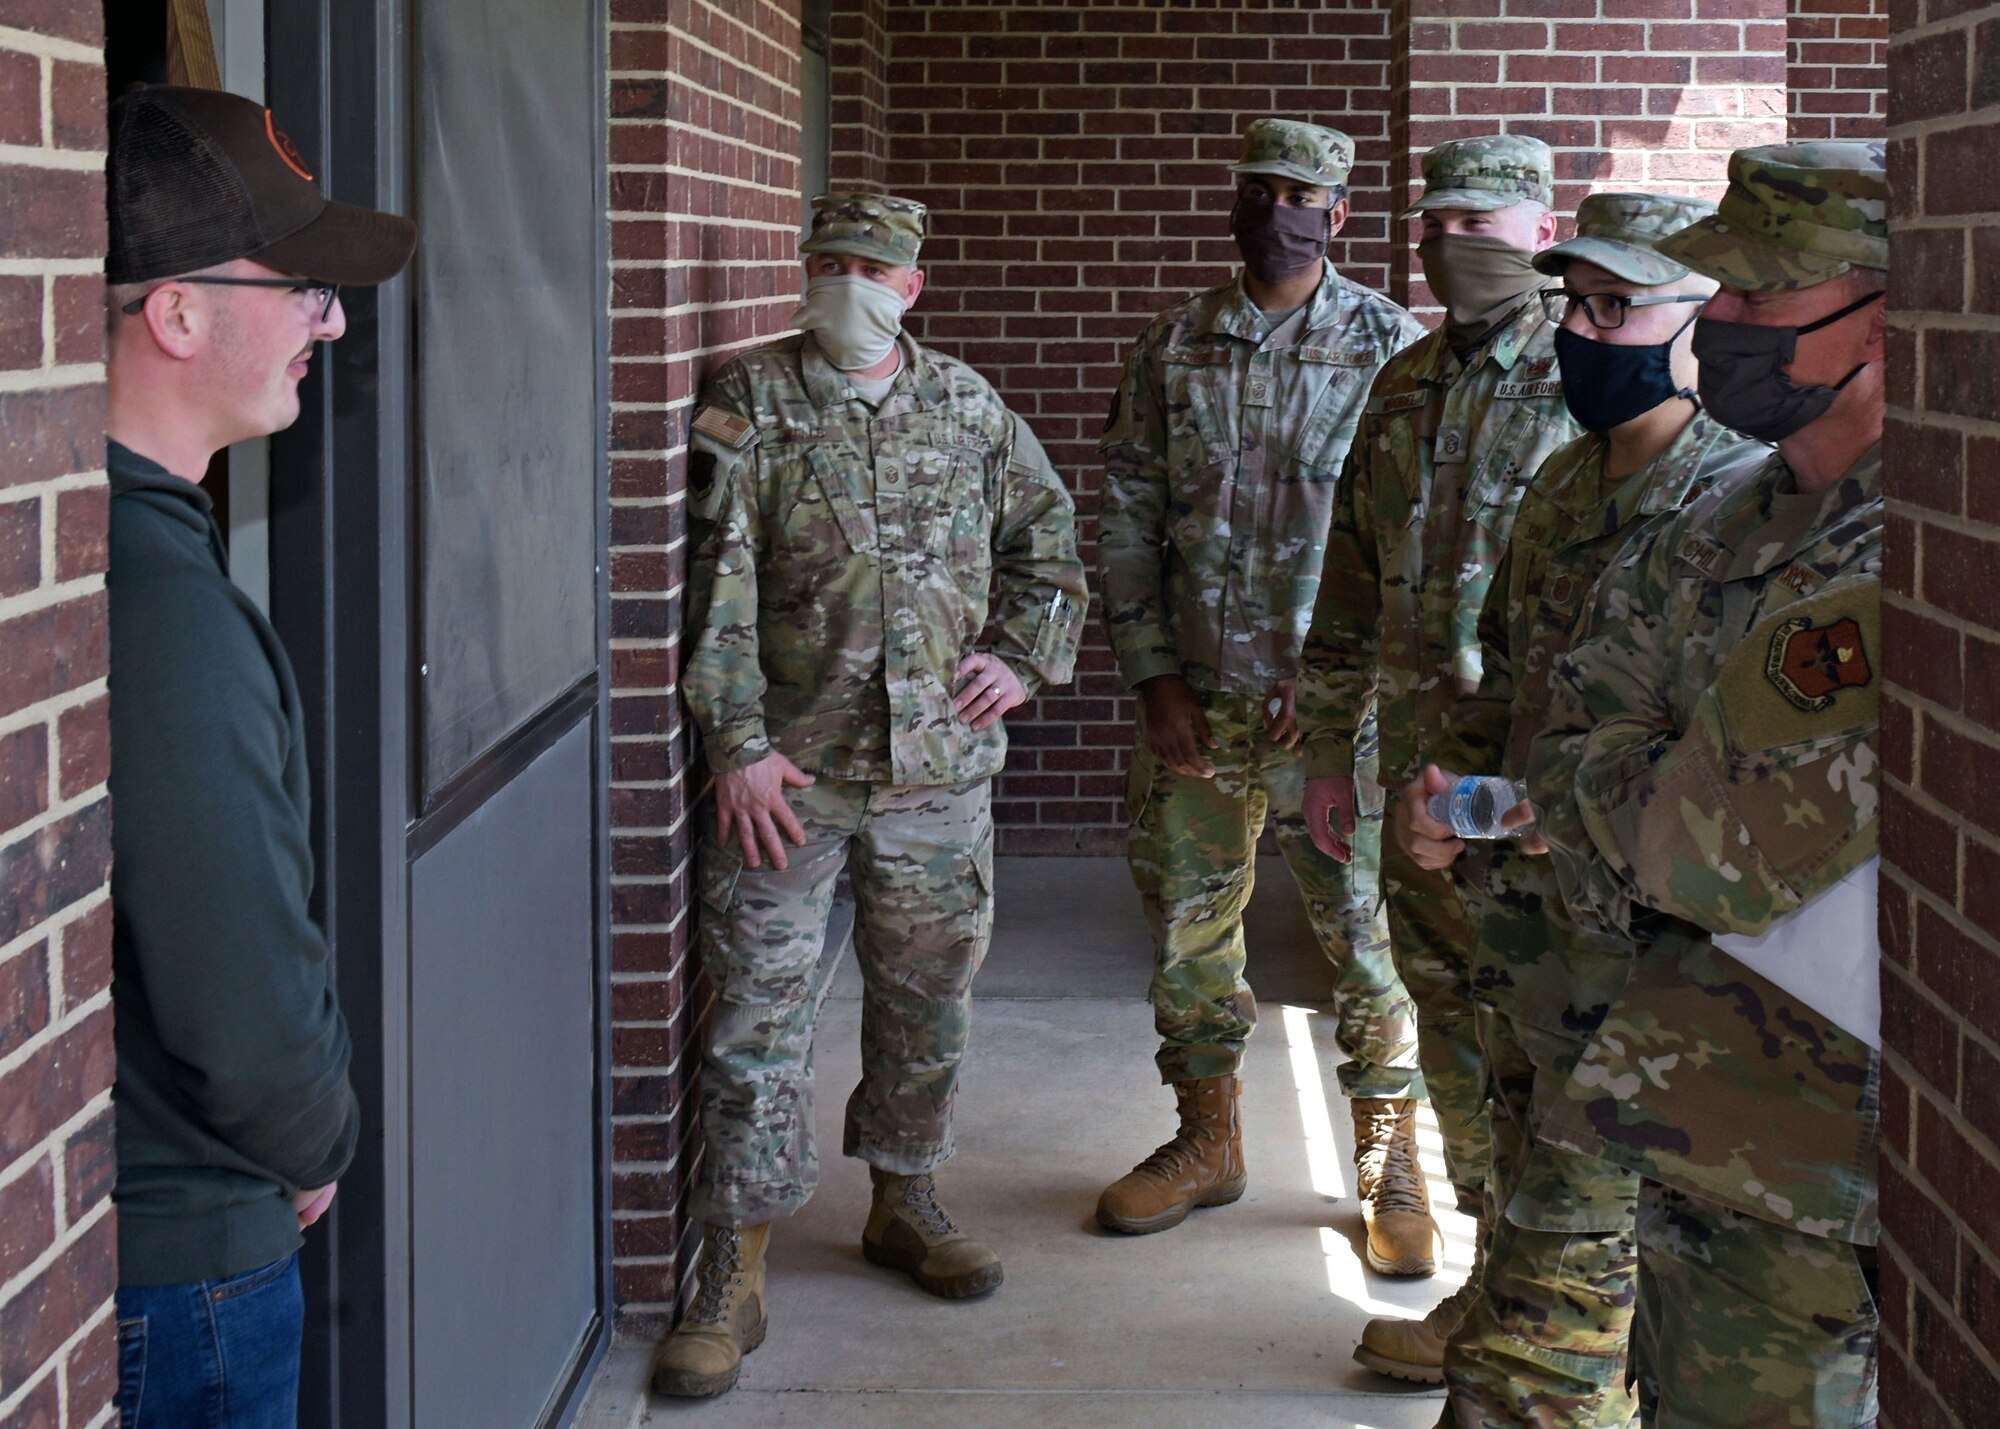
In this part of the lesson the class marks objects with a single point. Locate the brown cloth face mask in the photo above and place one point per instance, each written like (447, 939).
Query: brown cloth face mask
(1479, 280)
(1278, 241)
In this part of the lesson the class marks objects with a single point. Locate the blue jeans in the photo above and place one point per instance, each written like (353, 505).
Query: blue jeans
(216, 1354)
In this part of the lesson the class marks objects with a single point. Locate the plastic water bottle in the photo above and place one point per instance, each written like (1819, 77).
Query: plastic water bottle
(1474, 806)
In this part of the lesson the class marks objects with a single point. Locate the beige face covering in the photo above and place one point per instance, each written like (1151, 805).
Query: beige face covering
(855, 319)
(1480, 280)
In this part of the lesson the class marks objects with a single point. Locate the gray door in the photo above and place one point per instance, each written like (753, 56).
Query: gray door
(502, 988)
(504, 1225)
(438, 528)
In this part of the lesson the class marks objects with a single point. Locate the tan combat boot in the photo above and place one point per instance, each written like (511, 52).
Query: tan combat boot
(1201, 1166)
(704, 1354)
(909, 1231)
(1395, 1203)
(1414, 1349)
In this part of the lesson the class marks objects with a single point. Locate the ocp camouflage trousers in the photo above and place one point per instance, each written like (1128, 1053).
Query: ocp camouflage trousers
(1431, 938)
(920, 860)
(1744, 1324)
(1546, 1342)
(1193, 856)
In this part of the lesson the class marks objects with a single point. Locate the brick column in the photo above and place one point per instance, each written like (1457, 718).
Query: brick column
(704, 193)
(859, 89)
(1941, 725)
(58, 1250)
(1633, 94)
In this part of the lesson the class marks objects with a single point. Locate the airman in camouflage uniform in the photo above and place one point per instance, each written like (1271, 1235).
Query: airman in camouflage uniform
(1222, 450)
(1454, 428)
(1709, 765)
(851, 544)
(1545, 1342)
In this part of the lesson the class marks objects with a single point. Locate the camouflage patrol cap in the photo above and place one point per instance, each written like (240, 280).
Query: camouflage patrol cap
(1494, 171)
(1306, 152)
(1620, 233)
(878, 226)
(1794, 215)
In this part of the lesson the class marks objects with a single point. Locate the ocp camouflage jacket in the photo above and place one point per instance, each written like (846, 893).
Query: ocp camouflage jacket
(845, 560)
(1714, 731)
(1221, 460)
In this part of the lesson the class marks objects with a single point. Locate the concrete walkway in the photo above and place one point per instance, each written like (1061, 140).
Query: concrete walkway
(1243, 1316)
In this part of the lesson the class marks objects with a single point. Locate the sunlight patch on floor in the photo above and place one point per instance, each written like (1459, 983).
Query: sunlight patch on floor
(1323, 1158)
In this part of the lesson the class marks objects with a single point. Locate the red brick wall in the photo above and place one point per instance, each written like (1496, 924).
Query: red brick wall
(58, 1266)
(704, 193)
(1941, 725)
(1837, 49)
(1631, 94)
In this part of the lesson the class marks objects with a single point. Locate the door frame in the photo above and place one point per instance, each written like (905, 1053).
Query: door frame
(344, 597)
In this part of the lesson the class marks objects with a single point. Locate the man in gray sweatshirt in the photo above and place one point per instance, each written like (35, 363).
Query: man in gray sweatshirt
(234, 1111)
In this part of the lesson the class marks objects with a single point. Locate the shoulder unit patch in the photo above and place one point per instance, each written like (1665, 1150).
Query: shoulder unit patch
(1811, 664)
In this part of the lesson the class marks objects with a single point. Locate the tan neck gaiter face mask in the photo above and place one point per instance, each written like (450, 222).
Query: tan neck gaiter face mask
(1480, 281)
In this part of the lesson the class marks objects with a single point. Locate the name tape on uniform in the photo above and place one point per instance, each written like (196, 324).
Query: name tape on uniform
(1701, 553)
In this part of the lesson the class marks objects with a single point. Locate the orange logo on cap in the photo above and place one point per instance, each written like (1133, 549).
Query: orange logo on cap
(282, 142)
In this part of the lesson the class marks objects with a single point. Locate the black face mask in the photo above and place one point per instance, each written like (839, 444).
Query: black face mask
(1606, 385)
(1743, 381)
(1279, 241)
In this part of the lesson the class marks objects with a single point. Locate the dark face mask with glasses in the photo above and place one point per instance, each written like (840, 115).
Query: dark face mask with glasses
(322, 294)
(1606, 384)
(1743, 381)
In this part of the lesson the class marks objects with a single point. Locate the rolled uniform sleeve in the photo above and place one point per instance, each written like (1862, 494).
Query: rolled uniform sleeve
(1041, 593)
(722, 679)
(1132, 522)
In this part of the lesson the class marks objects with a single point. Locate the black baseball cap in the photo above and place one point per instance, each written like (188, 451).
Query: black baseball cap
(199, 177)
